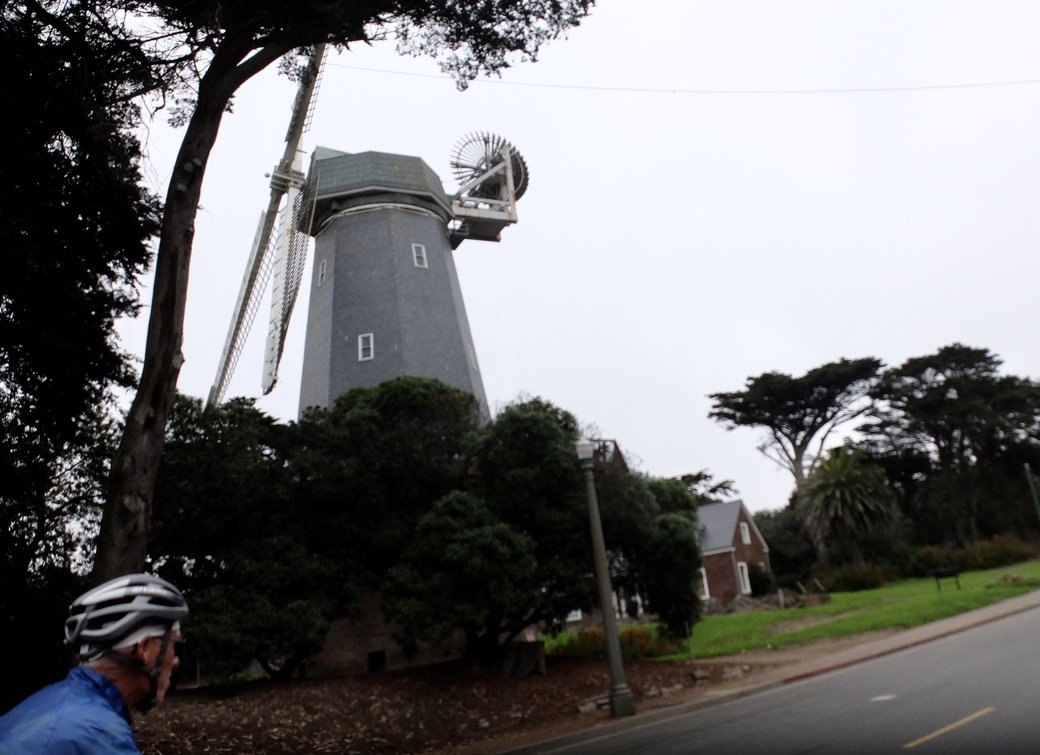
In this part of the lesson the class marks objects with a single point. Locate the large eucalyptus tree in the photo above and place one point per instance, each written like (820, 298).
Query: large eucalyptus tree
(958, 424)
(799, 413)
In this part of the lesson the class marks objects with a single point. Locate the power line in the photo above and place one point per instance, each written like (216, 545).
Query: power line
(657, 90)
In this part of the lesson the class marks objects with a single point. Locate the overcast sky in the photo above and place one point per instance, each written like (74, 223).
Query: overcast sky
(718, 189)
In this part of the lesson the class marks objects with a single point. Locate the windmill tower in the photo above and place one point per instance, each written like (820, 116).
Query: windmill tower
(385, 300)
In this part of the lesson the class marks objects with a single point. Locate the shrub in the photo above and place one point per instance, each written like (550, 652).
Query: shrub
(1001, 550)
(931, 557)
(762, 582)
(584, 643)
(865, 576)
(636, 642)
(640, 642)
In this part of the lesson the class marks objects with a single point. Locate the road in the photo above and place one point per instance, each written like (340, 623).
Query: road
(972, 692)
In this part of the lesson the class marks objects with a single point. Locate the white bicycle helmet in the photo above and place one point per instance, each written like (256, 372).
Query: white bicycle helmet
(103, 618)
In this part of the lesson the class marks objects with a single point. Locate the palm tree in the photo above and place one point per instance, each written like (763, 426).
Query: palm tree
(844, 498)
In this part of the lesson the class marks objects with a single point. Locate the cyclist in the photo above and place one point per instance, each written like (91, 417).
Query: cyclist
(123, 633)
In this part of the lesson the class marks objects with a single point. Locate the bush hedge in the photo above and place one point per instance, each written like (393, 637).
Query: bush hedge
(984, 554)
(637, 642)
(864, 576)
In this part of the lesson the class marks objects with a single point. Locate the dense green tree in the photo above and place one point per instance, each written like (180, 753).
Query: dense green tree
(669, 563)
(672, 495)
(377, 461)
(650, 527)
(843, 499)
(399, 491)
(515, 551)
(229, 530)
(791, 552)
(223, 482)
(526, 472)
(953, 434)
(272, 602)
(75, 236)
(263, 522)
(203, 54)
(464, 569)
(76, 229)
(628, 507)
(45, 544)
(667, 556)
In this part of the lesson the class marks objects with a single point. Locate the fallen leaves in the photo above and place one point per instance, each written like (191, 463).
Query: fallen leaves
(411, 711)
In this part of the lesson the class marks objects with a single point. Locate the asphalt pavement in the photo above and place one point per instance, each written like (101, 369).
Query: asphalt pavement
(814, 667)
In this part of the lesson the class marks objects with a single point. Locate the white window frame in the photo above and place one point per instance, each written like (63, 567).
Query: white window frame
(366, 347)
(705, 592)
(322, 271)
(419, 255)
(744, 577)
(745, 533)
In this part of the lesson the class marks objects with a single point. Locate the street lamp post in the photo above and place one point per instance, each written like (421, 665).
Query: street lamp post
(621, 702)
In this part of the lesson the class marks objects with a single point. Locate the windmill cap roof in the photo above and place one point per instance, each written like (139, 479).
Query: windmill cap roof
(342, 180)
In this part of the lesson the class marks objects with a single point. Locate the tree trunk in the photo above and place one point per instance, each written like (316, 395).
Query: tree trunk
(816, 536)
(482, 649)
(812, 526)
(123, 539)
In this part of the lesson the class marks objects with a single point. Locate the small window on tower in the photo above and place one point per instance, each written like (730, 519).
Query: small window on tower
(745, 533)
(365, 347)
(322, 269)
(419, 255)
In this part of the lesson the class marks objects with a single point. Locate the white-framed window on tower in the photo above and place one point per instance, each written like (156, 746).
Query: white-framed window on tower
(419, 255)
(745, 578)
(323, 268)
(366, 347)
(745, 533)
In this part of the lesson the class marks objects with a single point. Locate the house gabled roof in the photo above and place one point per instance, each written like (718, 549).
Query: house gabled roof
(718, 523)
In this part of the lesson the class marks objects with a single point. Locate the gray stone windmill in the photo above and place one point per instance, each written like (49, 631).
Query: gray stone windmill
(385, 299)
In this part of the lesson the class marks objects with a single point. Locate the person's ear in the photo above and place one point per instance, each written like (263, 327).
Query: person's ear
(142, 651)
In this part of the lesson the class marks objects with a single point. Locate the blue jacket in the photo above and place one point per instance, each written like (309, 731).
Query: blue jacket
(81, 715)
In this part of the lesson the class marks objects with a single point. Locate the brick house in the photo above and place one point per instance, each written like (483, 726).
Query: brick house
(730, 544)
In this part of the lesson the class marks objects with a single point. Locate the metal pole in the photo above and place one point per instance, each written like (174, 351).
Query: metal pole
(1032, 488)
(621, 701)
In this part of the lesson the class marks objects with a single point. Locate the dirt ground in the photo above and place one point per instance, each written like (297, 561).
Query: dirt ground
(448, 709)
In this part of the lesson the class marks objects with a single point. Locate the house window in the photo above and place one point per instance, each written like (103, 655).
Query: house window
(322, 270)
(745, 579)
(745, 533)
(419, 255)
(365, 347)
(704, 584)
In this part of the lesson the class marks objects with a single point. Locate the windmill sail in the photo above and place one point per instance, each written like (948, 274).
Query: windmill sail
(290, 254)
(283, 259)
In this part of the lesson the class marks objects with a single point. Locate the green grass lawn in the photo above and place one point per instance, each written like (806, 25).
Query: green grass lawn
(901, 605)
